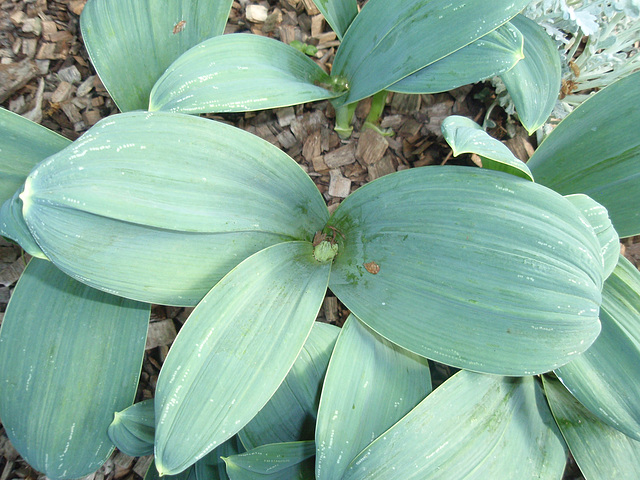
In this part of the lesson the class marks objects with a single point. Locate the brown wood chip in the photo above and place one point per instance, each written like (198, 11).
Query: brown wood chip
(312, 146)
(339, 186)
(14, 76)
(371, 146)
(382, 167)
(345, 155)
(330, 307)
(160, 333)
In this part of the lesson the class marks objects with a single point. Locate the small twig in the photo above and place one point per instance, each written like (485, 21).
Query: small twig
(446, 159)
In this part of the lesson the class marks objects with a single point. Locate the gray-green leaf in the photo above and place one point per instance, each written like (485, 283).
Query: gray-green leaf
(600, 451)
(132, 429)
(152, 474)
(474, 427)
(139, 187)
(338, 13)
(466, 136)
(290, 415)
(13, 226)
(470, 267)
(212, 466)
(596, 151)
(370, 385)
(23, 144)
(237, 73)
(235, 350)
(132, 42)
(599, 220)
(278, 461)
(70, 356)
(534, 82)
(493, 54)
(391, 39)
(606, 378)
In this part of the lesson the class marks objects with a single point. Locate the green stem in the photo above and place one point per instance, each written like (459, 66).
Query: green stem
(344, 117)
(378, 102)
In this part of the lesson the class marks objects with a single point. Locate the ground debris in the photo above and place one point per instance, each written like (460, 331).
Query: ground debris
(161, 333)
(339, 185)
(371, 147)
(14, 76)
(344, 155)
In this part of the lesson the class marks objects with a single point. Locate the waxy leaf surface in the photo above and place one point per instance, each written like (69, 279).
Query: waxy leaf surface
(596, 151)
(132, 429)
(132, 42)
(599, 220)
(606, 378)
(170, 202)
(370, 385)
(473, 427)
(599, 450)
(23, 144)
(291, 413)
(60, 338)
(391, 39)
(534, 82)
(493, 54)
(13, 226)
(135, 427)
(152, 474)
(235, 350)
(212, 466)
(277, 461)
(338, 13)
(237, 73)
(466, 136)
(470, 267)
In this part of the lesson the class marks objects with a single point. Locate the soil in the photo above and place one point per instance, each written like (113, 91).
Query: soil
(45, 75)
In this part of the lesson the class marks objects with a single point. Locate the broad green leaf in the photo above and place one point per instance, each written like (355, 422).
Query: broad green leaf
(23, 144)
(13, 226)
(132, 430)
(493, 54)
(466, 136)
(152, 474)
(606, 378)
(291, 413)
(370, 385)
(277, 461)
(598, 218)
(237, 73)
(212, 466)
(70, 357)
(534, 82)
(140, 187)
(473, 427)
(475, 268)
(235, 350)
(391, 39)
(132, 42)
(596, 151)
(338, 13)
(600, 451)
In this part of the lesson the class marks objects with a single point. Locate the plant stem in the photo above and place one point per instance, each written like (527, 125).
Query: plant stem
(378, 102)
(344, 117)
